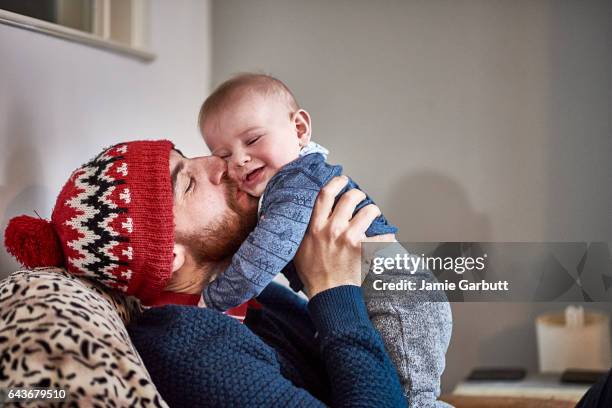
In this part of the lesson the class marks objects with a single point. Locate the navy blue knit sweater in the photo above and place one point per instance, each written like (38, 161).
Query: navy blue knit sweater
(287, 354)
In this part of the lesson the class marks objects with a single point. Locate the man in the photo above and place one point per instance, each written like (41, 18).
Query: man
(113, 222)
(427, 326)
(599, 395)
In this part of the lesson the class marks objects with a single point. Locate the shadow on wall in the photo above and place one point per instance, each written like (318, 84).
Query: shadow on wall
(430, 206)
(21, 191)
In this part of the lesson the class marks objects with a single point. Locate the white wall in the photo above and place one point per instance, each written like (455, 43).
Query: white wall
(465, 120)
(61, 102)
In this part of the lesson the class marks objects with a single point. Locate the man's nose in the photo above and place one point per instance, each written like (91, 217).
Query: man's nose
(216, 168)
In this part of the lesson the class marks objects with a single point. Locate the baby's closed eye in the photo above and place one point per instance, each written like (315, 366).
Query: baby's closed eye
(253, 140)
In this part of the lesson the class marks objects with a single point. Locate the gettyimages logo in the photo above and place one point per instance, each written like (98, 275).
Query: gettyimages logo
(475, 271)
(411, 264)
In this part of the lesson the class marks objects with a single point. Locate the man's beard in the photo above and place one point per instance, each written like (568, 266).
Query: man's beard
(222, 239)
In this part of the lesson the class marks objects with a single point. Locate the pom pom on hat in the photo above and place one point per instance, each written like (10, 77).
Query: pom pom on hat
(33, 242)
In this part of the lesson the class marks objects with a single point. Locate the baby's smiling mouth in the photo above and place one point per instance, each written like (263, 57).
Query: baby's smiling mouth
(253, 175)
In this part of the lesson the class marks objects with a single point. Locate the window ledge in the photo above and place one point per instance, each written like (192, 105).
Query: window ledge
(70, 34)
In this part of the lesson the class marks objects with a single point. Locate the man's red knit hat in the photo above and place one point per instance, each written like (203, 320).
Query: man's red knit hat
(112, 222)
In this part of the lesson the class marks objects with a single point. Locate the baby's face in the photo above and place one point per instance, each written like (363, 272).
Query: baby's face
(256, 135)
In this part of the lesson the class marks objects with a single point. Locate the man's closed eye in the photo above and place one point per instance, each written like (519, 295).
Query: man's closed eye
(190, 185)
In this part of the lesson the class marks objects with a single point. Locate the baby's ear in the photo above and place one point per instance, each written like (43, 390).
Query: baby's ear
(301, 120)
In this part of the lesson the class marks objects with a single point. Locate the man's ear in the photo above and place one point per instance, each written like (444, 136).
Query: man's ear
(179, 252)
(301, 121)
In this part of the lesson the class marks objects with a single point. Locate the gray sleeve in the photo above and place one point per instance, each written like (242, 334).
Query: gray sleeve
(266, 251)
(416, 330)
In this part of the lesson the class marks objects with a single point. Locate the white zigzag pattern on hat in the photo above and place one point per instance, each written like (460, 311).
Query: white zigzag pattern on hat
(103, 156)
(104, 176)
(105, 224)
(86, 212)
(106, 250)
(78, 222)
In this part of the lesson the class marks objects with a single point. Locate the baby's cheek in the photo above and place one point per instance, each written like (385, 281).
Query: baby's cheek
(281, 159)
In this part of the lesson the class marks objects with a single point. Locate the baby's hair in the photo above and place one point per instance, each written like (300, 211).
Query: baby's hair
(251, 82)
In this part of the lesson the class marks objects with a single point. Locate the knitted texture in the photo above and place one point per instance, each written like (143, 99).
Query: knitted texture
(113, 221)
(286, 208)
(200, 357)
(33, 242)
(416, 328)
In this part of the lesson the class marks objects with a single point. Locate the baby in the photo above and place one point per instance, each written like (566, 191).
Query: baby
(254, 123)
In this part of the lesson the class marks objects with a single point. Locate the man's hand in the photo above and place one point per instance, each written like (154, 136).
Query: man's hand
(330, 253)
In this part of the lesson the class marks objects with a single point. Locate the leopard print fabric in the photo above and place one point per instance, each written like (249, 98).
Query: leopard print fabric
(60, 331)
